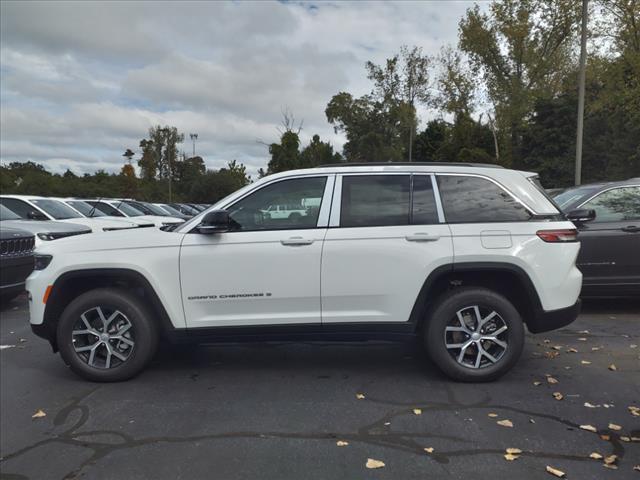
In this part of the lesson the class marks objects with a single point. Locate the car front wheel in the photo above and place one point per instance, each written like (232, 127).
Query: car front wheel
(106, 335)
(474, 334)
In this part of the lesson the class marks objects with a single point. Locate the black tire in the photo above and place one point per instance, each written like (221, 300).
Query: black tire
(444, 313)
(142, 332)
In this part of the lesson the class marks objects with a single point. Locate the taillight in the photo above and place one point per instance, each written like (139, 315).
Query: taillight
(556, 236)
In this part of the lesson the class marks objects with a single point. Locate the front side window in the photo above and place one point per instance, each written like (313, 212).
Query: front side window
(56, 209)
(20, 208)
(286, 205)
(478, 200)
(6, 214)
(375, 200)
(616, 205)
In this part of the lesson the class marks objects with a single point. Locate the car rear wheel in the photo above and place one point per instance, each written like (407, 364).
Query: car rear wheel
(106, 335)
(474, 334)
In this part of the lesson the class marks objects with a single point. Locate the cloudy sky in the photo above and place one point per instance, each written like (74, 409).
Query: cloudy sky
(82, 81)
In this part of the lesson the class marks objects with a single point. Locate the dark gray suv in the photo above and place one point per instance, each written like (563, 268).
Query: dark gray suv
(608, 218)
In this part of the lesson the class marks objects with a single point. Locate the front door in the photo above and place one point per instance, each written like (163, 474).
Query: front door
(266, 271)
(610, 244)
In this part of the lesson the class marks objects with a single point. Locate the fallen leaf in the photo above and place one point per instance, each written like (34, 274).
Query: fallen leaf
(360, 396)
(372, 463)
(610, 459)
(625, 439)
(537, 383)
(595, 349)
(514, 451)
(557, 347)
(510, 458)
(633, 410)
(582, 339)
(493, 415)
(2, 347)
(342, 443)
(612, 367)
(552, 380)
(558, 395)
(572, 350)
(635, 439)
(387, 423)
(505, 423)
(589, 405)
(551, 355)
(606, 438)
(589, 428)
(637, 467)
(39, 414)
(615, 427)
(555, 471)
(428, 449)
(585, 362)
(584, 332)
(633, 345)
(417, 411)
(611, 466)
(595, 456)
(531, 420)
(546, 340)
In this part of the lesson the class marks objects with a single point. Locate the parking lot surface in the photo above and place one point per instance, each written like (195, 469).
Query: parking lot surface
(279, 410)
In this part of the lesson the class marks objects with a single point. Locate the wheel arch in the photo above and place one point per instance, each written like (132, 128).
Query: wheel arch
(507, 279)
(71, 284)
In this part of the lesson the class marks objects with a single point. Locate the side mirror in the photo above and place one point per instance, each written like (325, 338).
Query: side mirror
(217, 221)
(35, 215)
(581, 215)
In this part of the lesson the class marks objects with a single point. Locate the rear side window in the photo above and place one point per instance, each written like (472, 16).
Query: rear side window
(375, 200)
(17, 206)
(478, 200)
(423, 211)
(616, 205)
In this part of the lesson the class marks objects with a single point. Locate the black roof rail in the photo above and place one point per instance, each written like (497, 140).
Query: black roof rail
(404, 164)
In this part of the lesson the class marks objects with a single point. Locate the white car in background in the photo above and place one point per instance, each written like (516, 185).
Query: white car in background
(120, 208)
(43, 230)
(90, 211)
(32, 207)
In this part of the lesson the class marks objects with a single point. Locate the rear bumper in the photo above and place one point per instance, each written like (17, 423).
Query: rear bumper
(546, 320)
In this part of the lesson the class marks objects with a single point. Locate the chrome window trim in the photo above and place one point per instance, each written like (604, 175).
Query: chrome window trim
(495, 182)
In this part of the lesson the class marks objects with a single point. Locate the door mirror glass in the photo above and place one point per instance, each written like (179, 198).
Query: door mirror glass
(581, 215)
(217, 221)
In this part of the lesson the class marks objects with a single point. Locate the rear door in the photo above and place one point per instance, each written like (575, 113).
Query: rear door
(385, 236)
(610, 254)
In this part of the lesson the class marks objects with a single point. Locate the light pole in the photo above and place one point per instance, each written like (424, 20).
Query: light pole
(581, 80)
(194, 137)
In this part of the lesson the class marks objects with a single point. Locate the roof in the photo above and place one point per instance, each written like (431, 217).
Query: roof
(405, 164)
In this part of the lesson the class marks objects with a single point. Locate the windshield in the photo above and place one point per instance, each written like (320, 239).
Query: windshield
(6, 214)
(56, 209)
(86, 209)
(106, 209)
(171, 211)
(569, 196)
(128, 209)
(155, 209)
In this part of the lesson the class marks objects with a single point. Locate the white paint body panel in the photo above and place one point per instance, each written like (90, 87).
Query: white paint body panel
(364, 274)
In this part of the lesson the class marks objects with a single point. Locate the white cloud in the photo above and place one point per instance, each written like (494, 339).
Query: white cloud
(82, 81)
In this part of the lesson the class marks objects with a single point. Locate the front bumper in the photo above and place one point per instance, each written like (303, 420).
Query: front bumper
(546, 320)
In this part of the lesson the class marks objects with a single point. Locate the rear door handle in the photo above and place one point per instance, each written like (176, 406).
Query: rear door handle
(295, 241)
(631, 228)
(422, 237)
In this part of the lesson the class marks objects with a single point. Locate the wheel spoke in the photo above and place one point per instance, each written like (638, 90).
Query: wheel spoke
(92, 355)
(499, 331)
(107, 360)
(478, 357)
(110, 319)
(122, 339)
(86, 322)
(86, 348)
(118, 355)
(476, 312)
(463, 351)
(482, 351)
(487, 318)
(123, 330)
(500, 343)
(102, 319)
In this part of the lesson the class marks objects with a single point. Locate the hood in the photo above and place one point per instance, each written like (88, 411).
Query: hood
(98, 224)
(12, 233)
(140, 221)
(130, 239)
(46, 226)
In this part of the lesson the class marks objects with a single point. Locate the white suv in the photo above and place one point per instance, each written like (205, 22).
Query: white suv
(462, 255)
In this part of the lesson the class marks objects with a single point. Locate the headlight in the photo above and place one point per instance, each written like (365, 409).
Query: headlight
(41, 261)
(46, 236)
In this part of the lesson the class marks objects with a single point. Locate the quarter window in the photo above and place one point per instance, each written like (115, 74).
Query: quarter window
(478, 200)
(374, 200)
(616, 205)
(286, 205)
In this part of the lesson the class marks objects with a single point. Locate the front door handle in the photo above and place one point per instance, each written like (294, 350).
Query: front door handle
(422, 237)
(631, 228)
(295, 241)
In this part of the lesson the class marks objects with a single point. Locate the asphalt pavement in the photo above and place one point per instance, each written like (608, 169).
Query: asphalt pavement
(321, 411)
